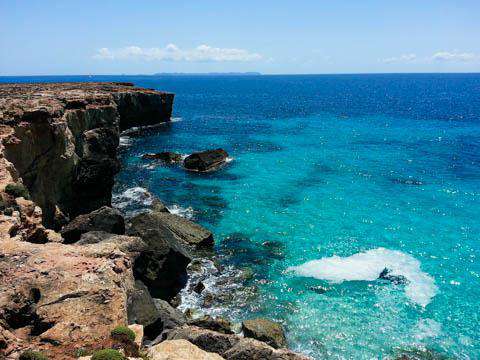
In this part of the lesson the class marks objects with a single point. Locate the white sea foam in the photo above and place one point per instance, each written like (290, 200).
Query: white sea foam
(133, 200)
(180, 211)
(229, 159)
(176, 119)
(368, 265)
(125, 141)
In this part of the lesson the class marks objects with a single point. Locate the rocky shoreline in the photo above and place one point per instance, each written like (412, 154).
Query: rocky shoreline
(72, 268)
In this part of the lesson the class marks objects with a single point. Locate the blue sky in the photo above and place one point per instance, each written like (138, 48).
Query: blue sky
(286, 37)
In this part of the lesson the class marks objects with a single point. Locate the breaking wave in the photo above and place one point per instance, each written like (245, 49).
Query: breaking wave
(367, 266)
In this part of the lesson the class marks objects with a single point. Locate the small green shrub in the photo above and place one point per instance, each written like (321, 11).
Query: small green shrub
(17, 190)
(107, 354)
(123, 332)
(32, 355)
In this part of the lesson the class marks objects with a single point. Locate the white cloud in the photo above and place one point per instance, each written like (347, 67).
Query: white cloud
(441, 56)
(455, 56)
(171, 52)
(405, 58)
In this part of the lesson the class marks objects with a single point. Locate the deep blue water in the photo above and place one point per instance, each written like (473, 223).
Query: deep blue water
(333, 179)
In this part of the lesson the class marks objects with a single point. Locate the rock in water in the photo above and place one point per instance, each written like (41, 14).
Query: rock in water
(205, 161)
(104, 219)
(179, 350)
(166, 156)
(395, 279)
(265, 330)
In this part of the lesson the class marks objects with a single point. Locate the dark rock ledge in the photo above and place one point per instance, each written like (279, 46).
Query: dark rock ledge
(71, 267)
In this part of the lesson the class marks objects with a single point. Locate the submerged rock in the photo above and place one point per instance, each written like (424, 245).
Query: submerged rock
(104, 219)
(205, 161)
(180, 350)
(166, 156)
(265, 330)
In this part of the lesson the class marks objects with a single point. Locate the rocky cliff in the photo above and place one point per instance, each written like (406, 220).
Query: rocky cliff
(58, 158)
(61, 140)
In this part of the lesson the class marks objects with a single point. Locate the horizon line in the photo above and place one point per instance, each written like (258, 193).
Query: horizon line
(246, 74)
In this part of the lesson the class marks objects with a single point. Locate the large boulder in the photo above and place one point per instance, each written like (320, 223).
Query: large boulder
(265, 330)
(188, 232)
(162, 267)
(205, 161)
(104, 219)
(180, 350)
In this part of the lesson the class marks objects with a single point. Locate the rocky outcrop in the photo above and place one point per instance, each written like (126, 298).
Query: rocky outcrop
(205, 161)
(58, 156)
(179, 350)
(61, 139)
(231, 347)
(162, 267)
(265, 330)
(104, 219)
(58, 297)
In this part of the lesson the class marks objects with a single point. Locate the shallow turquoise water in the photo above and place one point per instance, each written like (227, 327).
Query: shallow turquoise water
(328, 183)
(383, 171)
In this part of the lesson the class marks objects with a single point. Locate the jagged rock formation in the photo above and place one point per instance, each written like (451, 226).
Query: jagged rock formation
(61, 139)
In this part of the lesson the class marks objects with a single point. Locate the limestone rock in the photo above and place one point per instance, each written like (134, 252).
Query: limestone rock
(104, 219)
(205, 161)
(265, 330)
(180, 350)
(72, 128)
(65, 295)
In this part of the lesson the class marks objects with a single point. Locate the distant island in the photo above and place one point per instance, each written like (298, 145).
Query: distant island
(249, 73)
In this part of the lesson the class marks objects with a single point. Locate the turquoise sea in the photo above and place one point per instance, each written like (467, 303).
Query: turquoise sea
(333, 179)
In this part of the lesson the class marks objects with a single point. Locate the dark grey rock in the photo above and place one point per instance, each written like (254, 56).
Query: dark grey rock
(162, 267)
(205, 161)
(104, 219)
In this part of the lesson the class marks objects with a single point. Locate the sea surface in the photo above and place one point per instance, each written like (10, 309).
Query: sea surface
(332, 180)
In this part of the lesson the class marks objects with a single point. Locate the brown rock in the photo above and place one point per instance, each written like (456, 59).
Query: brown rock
(180, 350)
(65, 295)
